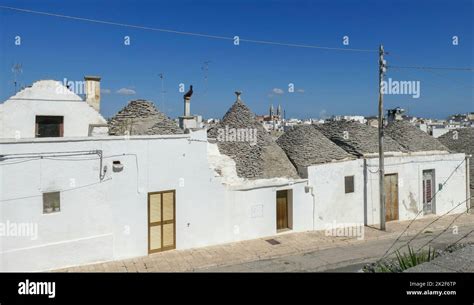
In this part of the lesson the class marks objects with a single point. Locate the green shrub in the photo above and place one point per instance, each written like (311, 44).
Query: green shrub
(412, 258)
(402, 261)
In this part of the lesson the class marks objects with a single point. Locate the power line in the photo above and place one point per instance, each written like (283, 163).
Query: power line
(442, 232)
(450, 79)
(464, 236)
(414, 161)
(204, 35)
(432, 68)
(436, 219)
(63, 190)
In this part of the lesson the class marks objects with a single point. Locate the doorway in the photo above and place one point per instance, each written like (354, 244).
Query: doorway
(391, 197)
(161, 221)
(282, 210)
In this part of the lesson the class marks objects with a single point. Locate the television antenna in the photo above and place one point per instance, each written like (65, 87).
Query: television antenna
(205, 68)
(17, 69)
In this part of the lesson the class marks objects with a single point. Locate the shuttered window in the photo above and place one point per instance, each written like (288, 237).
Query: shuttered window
(349, 184)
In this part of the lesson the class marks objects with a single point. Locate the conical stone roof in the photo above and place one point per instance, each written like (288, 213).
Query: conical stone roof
(306, 146)
(461, 141)
(141, 117)
(412, 138)
(257, 156)
(356, 138)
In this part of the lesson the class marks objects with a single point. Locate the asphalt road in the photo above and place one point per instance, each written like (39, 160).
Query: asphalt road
(350, 258)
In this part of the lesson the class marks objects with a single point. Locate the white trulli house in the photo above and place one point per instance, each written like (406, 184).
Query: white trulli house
(67, 201)
(421, 176)
(50, 109)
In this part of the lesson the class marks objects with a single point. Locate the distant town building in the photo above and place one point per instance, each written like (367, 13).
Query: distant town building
(273, 121)
(353, 118)
(395, 114)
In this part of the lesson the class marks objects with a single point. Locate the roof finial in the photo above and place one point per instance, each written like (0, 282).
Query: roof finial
(238, 93)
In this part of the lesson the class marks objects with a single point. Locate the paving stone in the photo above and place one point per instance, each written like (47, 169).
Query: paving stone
(330, 250)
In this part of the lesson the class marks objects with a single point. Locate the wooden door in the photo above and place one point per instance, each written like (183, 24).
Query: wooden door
(282, 210)
(391, 197)
(161, 221)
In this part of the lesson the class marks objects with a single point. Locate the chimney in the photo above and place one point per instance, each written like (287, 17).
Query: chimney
(238, 93)
(92, 88)
(395, 114)
(187, 102)
(187, 106)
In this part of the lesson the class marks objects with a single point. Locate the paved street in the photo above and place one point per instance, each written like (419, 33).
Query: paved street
(302, 251)
(347, 258)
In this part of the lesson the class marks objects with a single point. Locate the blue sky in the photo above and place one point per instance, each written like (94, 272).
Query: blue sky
(326, 82)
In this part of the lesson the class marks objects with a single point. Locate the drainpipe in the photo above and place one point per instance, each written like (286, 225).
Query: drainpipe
(366, 216)
(311, 189)
(468, 184)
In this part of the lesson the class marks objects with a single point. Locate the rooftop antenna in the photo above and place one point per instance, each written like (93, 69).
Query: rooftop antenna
(205, 68)
(17, 69)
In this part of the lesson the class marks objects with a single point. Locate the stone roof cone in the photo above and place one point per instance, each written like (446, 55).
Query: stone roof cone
(306, 146)
(258, 160)
(461, 141)
(412, 138)
(356, 138)
(141, 117)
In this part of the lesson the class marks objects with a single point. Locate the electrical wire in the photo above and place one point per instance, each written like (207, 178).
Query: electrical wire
(64, 190)
(436, 219)
(204, 35)
(431, 68)
(447, 227)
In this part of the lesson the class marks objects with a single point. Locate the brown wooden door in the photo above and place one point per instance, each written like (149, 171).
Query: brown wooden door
(391, 197)
(161, 221)
(282, 210)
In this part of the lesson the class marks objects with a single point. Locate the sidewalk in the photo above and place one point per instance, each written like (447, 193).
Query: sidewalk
(258, 249)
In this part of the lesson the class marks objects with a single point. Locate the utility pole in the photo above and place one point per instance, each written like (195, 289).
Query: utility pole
(382, 70)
